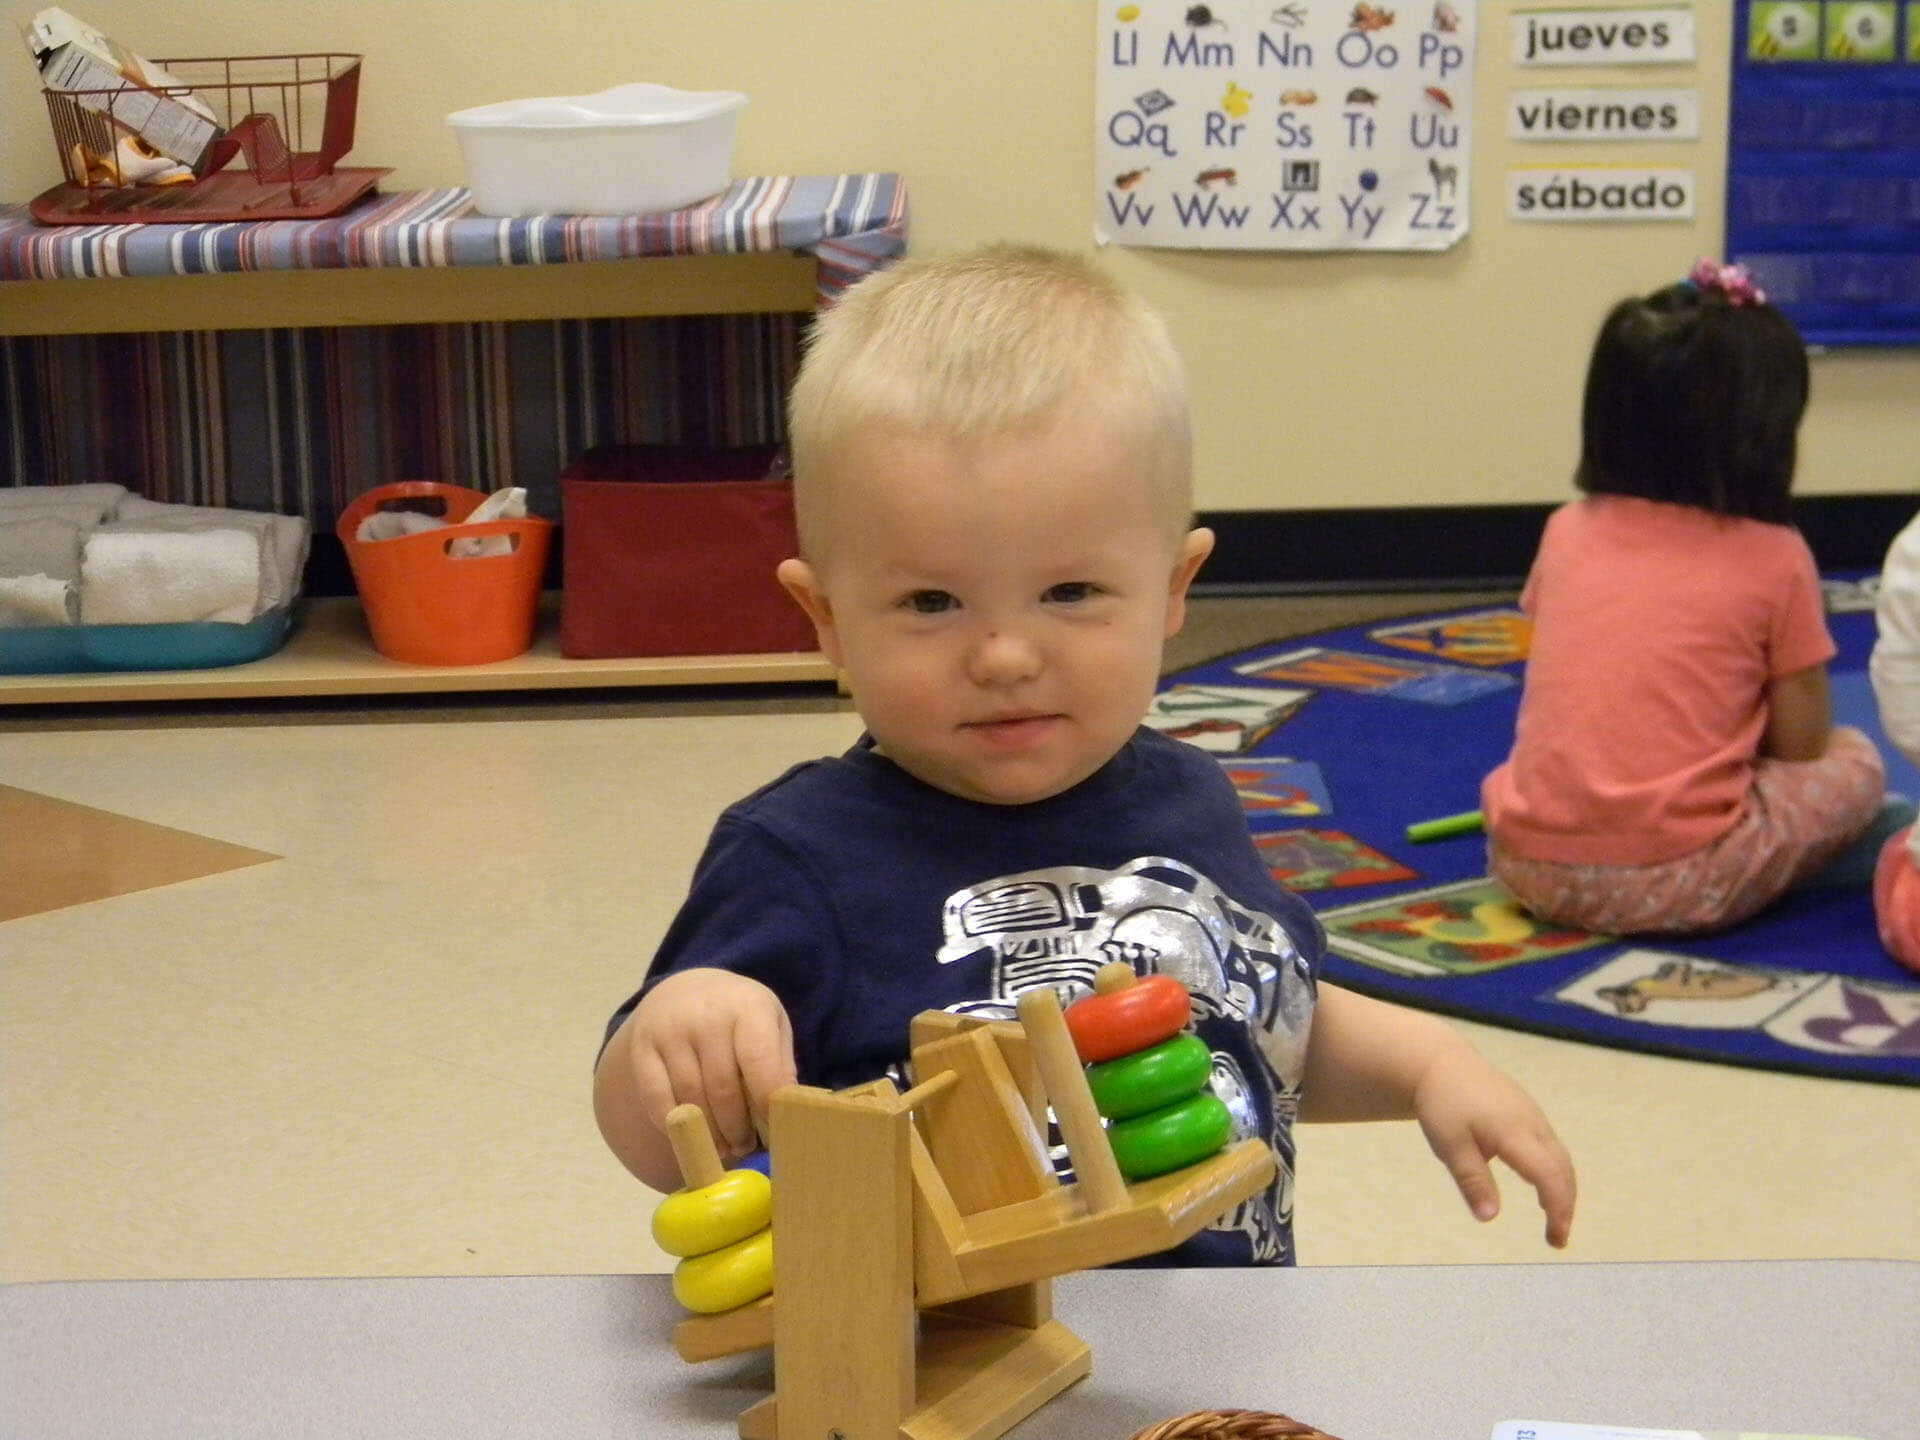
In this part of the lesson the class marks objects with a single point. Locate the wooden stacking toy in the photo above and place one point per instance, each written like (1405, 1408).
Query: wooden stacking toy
(919, 1234)
(1147, 1074)
(720, 1224)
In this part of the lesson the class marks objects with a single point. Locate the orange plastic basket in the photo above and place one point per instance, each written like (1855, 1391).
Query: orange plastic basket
(428, 607)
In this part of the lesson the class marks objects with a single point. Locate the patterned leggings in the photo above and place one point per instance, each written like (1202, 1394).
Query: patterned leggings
(1799, 815)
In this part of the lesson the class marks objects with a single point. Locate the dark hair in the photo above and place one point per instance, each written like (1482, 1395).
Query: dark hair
(1694, 400)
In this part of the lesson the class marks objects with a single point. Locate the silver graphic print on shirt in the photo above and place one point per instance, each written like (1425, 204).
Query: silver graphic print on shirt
(1252, 991)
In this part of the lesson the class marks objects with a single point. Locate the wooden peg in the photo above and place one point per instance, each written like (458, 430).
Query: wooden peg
(1112, 976)
(693, 1146)
(926, 1090)
(1093, 1163)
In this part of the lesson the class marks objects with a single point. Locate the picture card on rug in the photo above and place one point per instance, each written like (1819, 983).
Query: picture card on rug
(1322, 668)
(1658, 987)
(1468, 927)
(1483, 637)
(1278, 789)
(1224, 719)
(1325, 860)
(1846, 597)
(1843, 1016)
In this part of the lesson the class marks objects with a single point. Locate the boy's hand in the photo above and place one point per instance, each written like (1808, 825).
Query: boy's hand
(1471, 1112)
(719, 1041)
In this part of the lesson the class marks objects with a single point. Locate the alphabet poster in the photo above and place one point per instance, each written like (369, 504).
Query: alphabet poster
(1283, 124)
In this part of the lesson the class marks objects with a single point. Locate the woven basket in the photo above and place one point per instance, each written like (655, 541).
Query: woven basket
(1230, 1425)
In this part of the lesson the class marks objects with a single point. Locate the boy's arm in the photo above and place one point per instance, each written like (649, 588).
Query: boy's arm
(1367, 1060)
(707, 1037)
(1799, 716)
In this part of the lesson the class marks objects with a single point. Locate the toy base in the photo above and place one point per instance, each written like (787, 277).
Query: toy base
(976, 1380)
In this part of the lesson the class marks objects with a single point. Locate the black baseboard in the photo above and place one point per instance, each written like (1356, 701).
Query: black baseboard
(1458, 546)
(1427, 547)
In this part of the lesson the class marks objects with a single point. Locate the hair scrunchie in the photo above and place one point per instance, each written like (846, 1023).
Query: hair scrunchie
(1733, 281)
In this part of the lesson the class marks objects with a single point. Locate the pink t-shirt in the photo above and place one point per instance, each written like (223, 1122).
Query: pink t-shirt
(1657, 631)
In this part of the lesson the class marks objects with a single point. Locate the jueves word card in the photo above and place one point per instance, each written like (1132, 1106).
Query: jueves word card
(1283, 125)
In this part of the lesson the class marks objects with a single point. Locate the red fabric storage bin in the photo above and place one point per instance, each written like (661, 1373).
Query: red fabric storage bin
(671, 549)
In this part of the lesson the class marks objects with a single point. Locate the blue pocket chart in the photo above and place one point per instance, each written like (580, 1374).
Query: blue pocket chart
(1823, 164)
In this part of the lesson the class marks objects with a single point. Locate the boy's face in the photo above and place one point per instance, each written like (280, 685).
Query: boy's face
(999, 607)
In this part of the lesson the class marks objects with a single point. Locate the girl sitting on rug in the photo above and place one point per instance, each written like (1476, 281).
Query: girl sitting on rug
(1674, 766)
(1895, 669)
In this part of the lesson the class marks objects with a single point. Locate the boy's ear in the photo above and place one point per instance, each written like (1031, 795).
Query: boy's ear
(803, 584)
(1194, 550)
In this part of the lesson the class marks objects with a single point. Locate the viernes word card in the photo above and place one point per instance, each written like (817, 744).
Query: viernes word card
(1301, 125)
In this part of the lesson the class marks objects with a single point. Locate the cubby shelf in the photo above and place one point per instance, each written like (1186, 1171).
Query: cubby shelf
(331, 654)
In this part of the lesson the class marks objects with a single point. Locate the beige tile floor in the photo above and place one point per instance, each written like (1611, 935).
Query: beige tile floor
(371, 1056)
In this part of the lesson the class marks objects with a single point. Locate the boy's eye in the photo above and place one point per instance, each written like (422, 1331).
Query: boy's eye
(930, 602)
(1071, 592)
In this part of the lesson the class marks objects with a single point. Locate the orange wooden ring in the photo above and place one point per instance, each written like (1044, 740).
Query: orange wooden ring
(1152, 1009)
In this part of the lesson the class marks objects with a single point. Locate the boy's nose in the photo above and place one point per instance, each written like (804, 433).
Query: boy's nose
(1004, 657)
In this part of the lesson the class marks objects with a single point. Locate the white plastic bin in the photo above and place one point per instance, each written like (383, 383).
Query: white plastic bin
(632, 150)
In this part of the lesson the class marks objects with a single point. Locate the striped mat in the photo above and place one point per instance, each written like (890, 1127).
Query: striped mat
(854, 223)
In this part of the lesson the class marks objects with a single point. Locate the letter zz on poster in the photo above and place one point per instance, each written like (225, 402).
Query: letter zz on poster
(1283, 124)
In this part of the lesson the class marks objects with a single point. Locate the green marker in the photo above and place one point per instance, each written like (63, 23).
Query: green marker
(1446, 825)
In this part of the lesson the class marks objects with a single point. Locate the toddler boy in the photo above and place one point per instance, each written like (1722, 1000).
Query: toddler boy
(992, 464)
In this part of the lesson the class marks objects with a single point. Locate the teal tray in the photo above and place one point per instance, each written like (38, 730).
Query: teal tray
(203, 645)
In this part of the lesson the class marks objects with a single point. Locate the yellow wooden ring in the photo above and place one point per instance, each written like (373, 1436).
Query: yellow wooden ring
(693, 1222)
(726, 1279)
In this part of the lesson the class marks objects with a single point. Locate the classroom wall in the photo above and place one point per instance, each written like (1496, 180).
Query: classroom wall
(1327, 380)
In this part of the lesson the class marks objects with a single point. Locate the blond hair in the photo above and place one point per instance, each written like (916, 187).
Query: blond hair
(987, 345)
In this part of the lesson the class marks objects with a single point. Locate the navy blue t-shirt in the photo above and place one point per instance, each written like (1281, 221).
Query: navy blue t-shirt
(862, 896)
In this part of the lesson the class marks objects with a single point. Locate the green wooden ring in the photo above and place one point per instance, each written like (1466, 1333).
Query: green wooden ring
(1150, 1079)
(1104, 1027)
(1168, 1139)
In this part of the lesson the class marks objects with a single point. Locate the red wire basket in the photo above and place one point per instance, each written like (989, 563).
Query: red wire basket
(290, 116)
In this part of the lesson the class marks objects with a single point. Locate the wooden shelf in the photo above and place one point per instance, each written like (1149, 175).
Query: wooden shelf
(330, 653)
(733, 284)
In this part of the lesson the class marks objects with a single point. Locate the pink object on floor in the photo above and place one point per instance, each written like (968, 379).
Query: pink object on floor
(1896, 900)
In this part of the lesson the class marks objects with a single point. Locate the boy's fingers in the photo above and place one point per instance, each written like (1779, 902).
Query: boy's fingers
(687, 1075)
(764, 1044)
(1542, 1161)
(655, 1087)
(726, 1101)
(1545, 1164)
(1470, 1173)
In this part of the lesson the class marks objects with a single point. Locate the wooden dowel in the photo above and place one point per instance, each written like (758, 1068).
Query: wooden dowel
(926, 1089)
(693, 1146)
(1066, 1084)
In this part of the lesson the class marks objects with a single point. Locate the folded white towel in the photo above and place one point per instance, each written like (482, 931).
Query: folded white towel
(36, 600)
(157, 577)
(83, 513)
(43, 545)
(284, 539)
(103, 497)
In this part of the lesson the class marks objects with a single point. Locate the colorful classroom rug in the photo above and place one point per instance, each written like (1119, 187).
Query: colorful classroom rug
(1339, 741)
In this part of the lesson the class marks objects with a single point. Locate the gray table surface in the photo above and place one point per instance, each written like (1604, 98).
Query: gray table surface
(1392, 1353)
